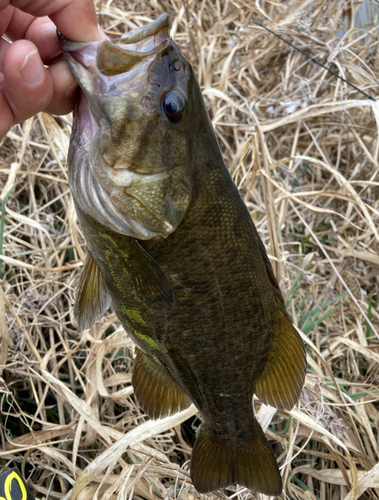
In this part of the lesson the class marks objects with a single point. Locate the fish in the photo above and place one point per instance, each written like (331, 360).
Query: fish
(173, 248)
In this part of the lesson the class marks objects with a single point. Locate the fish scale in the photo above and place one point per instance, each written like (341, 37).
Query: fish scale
(178, 255)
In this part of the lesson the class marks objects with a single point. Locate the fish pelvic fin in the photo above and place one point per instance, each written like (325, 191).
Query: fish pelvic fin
(217, 462)
(92, 298)
(156, 391)
(283, 377)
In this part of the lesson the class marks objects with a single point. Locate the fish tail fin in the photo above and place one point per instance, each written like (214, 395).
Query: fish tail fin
(218, 462)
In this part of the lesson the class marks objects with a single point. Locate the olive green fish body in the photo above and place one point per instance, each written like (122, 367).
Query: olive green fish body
(213, 286)
(173, 247)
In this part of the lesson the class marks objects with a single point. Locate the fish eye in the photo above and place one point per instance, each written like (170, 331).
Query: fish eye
(173, 106)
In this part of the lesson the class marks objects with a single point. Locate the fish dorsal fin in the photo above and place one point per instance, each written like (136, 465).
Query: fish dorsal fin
(283, 377)
(92, 298)
(156, 391)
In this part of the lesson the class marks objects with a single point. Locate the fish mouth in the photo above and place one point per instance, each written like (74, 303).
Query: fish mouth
(115, 56)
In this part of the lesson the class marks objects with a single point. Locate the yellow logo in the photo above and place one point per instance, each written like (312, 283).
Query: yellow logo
(8, 487)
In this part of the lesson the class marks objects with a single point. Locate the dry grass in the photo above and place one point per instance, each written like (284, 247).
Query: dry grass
(303, 148)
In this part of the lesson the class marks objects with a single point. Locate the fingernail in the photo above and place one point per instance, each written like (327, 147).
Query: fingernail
(32, 70)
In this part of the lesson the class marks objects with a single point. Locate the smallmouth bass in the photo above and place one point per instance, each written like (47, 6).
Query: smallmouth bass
(172, 247)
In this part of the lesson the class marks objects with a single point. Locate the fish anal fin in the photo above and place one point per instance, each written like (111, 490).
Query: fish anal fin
(217, 462)
(283, 377)
(156, 391)
(92, 298)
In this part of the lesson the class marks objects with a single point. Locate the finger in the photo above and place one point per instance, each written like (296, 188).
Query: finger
(65, 89)
(3, 4)
(75, 19)
(19, 24)
(28, 88)
(5, 111)
(5, 18)
(4, 46)
(43, 33)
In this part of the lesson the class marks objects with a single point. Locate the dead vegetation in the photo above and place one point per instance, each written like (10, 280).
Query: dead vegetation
(303, 148)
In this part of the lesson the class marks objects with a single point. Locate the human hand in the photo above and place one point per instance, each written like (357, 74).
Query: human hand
(26, 86)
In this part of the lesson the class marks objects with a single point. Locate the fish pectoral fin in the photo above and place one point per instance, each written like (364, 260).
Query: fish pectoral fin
(283, 377)
(147, 276)
(219, 461)
(156, 391)
(92, 298)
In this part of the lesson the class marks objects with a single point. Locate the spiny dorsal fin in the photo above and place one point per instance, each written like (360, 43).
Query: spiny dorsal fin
(92, 298)
(283, 376)
(156, 391)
